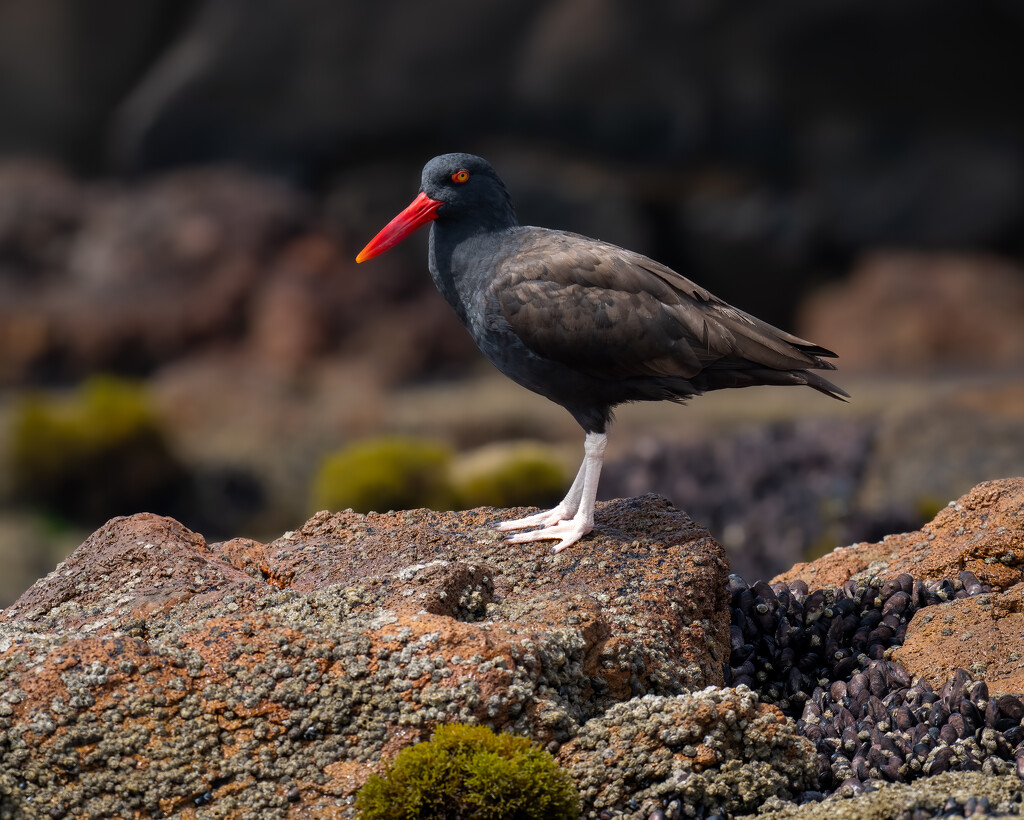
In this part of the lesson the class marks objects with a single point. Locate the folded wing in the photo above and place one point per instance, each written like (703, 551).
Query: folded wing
(615, 314)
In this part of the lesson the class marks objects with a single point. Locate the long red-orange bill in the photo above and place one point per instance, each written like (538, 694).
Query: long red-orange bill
(420, 211)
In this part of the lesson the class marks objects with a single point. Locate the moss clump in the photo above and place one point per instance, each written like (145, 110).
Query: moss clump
(97, 453)
(470, 773)
(390, 473)
(400, 473)
(523, 478)
(929, 506)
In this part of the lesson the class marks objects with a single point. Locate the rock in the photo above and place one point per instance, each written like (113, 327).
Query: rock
(983, 634)
(981, 532)
(135, 276)
(936, 796)
(40, 208)
(40, 211)
(925, 455)
(980, 538)
(161, 673)
(714, 751)
(754, 487)
(128, 568)
(928, 310)
(294, 317)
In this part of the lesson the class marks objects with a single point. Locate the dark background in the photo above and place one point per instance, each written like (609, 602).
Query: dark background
(184, 185)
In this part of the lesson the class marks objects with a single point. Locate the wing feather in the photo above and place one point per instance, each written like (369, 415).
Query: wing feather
(615, 314)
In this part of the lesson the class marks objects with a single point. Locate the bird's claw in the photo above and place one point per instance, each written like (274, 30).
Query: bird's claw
(567, 532)
(574, 516)
(548, 518)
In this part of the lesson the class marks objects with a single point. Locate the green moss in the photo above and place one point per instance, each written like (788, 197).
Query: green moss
(399, 473)
(522, 480)
(390, 473)
(929, 506)
(823, 545)
(470, 773)
(97, 453)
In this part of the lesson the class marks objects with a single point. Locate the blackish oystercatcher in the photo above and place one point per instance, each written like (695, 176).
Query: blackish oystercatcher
(585, 323)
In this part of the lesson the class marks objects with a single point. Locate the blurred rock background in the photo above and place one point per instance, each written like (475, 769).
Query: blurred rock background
(184, 186)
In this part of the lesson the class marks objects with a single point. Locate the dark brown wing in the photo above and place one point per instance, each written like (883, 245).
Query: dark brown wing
(615, 314)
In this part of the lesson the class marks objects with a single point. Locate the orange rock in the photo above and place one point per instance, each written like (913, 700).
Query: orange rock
(160, 673)
(982, 532)
(927, 310)
(983, 634)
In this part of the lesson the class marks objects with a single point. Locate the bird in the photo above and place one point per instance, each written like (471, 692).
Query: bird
(585, 323)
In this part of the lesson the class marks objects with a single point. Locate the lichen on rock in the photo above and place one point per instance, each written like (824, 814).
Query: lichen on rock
(153, 673)
(713, 751)
(944, 795)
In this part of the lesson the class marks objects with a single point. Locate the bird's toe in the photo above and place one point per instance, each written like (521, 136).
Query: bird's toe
(566, 532)
(547, 518)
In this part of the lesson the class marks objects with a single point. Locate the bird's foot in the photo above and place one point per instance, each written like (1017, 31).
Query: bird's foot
(547, 518)
(567, 532)
(574, 516)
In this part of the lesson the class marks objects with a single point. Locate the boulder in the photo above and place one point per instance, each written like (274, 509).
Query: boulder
(983, 634)
(714, 751)
(923, 455)
(928, 310)
(128, 277)
(981, 532)
(158, 673)
(981, 535)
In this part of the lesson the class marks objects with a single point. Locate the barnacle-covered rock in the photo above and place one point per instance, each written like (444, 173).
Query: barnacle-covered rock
(153, 673)
(950, 637)
(965, 794)
(707, 752)
(980, 532)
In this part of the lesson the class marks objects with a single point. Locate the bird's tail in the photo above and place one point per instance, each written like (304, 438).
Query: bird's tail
(812, 379)
(754, 376)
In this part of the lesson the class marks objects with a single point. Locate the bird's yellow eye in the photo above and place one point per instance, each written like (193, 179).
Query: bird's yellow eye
(460, 176)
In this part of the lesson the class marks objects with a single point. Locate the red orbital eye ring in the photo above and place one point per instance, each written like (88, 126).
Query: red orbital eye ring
(460, 176)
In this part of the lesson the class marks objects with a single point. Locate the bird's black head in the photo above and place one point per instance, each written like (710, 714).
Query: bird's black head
(468, 189)
(461, 191)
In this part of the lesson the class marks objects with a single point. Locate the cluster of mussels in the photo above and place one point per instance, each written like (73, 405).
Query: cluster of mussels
(822, 658)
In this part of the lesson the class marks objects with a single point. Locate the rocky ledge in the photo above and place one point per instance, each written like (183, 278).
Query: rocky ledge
(153, 674)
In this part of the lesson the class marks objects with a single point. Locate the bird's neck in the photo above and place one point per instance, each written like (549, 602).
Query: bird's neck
(462, 256)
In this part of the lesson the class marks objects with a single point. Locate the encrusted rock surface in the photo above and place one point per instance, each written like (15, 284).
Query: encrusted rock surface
(983, 633)
(156, 674)
(946, 795)
(982, 532)
(153, 673)
(714, 751)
